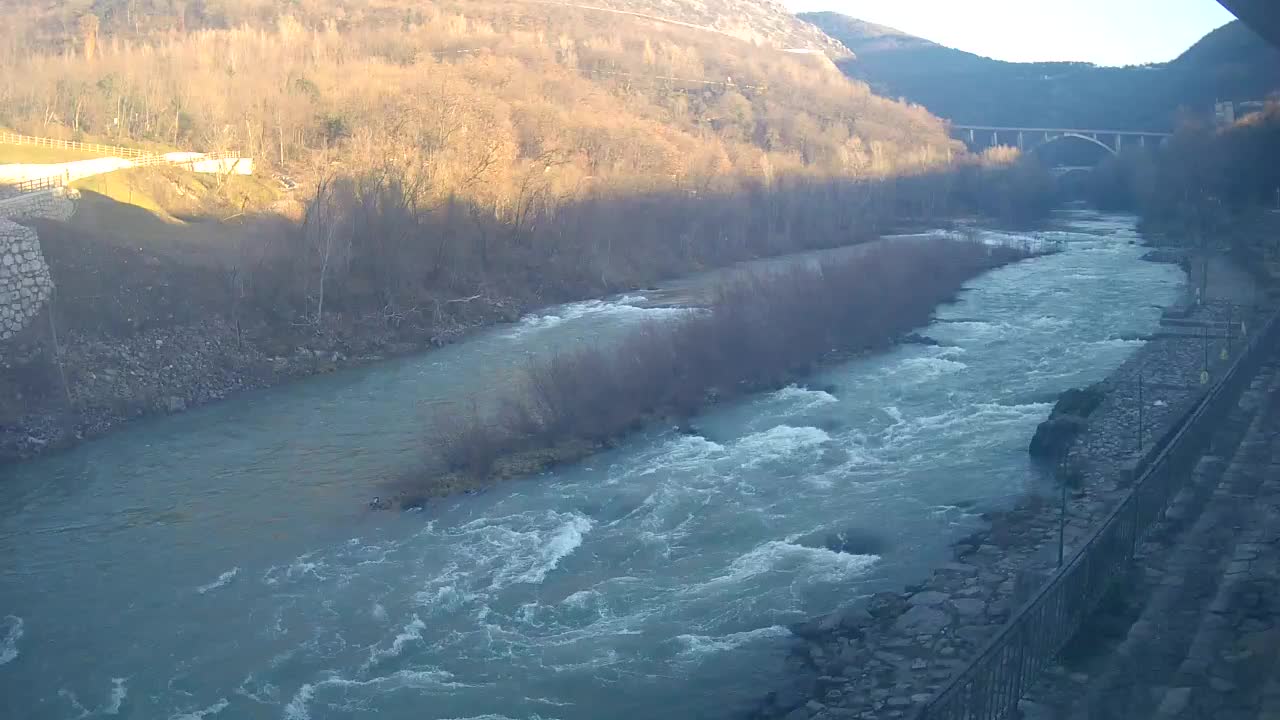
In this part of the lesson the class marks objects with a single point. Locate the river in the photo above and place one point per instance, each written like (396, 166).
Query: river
(221, 563)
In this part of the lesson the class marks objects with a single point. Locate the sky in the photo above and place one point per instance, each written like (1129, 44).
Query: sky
(1106, 32)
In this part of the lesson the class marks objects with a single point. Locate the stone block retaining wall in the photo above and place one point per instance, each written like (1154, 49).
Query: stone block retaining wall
(25, 282)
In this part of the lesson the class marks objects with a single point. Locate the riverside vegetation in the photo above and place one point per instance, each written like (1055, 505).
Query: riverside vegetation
(758, 332)
(1208, 187)
(492, 158)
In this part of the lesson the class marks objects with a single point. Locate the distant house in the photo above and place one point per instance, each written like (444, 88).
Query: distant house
(1227, 113)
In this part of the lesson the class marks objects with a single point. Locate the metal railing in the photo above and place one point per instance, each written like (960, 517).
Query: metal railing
(191, 162)
(36, 185)
(7, 138)
(64, 179)
(990, 686)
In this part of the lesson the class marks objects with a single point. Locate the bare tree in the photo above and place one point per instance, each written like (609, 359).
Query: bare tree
(322, 228)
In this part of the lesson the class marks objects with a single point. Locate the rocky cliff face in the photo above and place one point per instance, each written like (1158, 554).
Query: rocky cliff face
(764, 22)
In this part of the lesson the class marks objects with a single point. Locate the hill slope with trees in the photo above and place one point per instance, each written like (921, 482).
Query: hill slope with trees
(443, 165)
(1230, 63)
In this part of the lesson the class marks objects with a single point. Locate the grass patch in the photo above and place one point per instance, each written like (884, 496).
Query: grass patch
(102, 221)
(174, 193)
(760, 332)
(127, 187)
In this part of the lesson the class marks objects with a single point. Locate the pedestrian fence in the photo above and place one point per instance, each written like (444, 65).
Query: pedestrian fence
(8, 138)
(991, 685)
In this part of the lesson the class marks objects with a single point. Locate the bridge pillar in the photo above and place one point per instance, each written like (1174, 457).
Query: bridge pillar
(1020, 140)
(1142, 141)
(995, 138)
(971, 140)
(1119, 143)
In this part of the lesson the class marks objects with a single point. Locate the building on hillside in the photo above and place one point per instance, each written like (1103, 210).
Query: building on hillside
(1226, 113)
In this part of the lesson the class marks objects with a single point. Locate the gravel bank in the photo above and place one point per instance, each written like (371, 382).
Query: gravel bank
(166, 370)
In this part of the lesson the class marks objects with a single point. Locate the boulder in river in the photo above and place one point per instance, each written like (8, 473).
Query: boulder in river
(849, 541)
(1080, 402)
(847, 622)
(918, 339)
(1054, 436)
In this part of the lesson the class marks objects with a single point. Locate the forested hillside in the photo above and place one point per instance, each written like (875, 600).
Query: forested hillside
(1209, 185)
(449, 164)
(502, 112)
(604, 95)
(1230, 63)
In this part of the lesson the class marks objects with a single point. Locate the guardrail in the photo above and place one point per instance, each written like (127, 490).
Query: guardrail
(36, 185)
(64, 179)
(990, 686)
(7, 138)
(190, 162)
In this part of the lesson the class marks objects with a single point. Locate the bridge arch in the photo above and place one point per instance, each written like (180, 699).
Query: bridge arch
(1056, 138)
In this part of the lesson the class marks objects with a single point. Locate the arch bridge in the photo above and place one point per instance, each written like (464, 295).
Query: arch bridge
(1030, 138)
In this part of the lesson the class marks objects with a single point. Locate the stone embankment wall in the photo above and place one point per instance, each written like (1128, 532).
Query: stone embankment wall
(25, 282)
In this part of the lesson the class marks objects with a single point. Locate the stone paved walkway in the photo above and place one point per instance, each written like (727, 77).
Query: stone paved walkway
(1195, 635)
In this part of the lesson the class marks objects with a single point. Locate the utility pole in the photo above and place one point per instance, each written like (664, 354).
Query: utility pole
(1204, 278)
(1230, 328)
(1062, 513)
(1141, 409)
(1206, 346)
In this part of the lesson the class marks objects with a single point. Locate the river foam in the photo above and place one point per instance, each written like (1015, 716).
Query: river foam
(533, 567)
(213, 709)
(9, 645)
(779, 443)
(813, 564)
(701, 645)
(623, 308)
(804, 398)
(410, 633)
(222, 581)
(299, 706)
(118, 693)
(929, 368)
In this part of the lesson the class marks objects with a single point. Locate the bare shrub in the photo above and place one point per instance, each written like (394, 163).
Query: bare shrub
(760, 331)
(469, 442)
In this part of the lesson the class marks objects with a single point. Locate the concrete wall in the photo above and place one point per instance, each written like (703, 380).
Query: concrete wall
(72, 171)
(201, 163)
(220, 166)
(13, 174)
(25, 283)
(55, 204)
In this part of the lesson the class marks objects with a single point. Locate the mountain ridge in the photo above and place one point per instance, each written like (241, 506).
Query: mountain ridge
(1229, 63)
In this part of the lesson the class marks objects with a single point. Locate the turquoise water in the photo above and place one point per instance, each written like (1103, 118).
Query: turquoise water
(222, 564)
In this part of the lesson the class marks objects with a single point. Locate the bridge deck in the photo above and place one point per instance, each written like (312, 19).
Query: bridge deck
(1130, 133)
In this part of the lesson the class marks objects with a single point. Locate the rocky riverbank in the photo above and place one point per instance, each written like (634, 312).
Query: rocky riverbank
(888, 654)
(104, 380)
